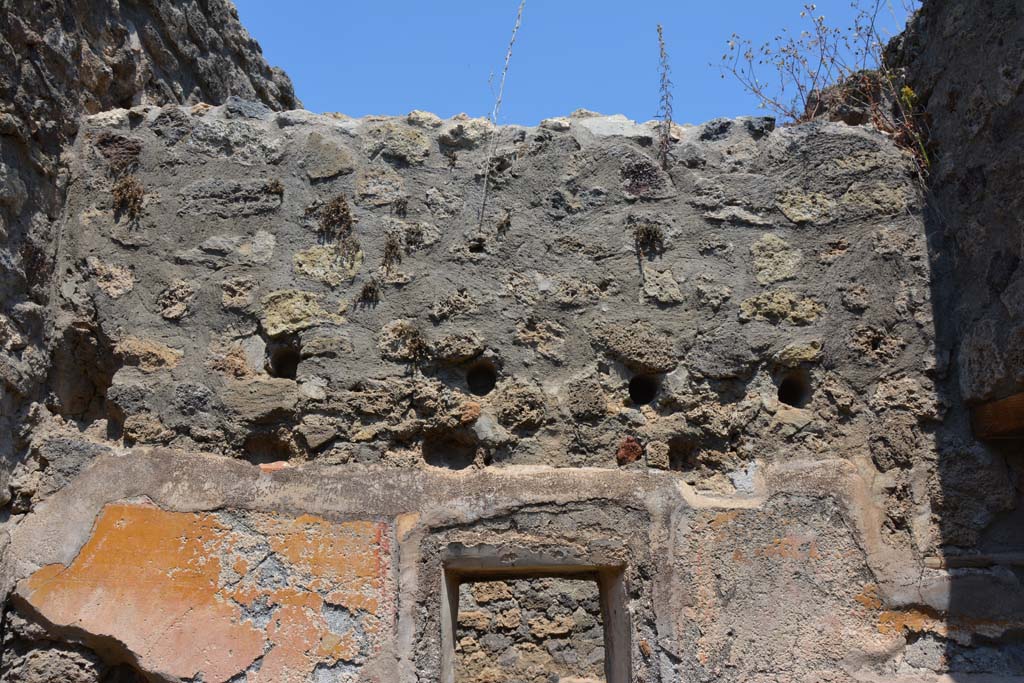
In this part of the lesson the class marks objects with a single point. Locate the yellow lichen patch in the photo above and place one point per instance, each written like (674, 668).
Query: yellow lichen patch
(877, 199)
(868, 597)
(859, 162)
(911, 620)
(208, 594)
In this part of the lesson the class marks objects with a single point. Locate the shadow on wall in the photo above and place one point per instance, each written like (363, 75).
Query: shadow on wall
(973, 90)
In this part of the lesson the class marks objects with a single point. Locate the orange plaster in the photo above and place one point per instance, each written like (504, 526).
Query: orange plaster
(171, 587)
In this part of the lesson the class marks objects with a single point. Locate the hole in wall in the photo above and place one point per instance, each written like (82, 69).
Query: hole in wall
(794, 388)
(481, 378)
(643, 389)
(83, 369)
(452, 450)
(549, 581)
(556, 619)
(283, 358)
(262, 448)
(682, 454)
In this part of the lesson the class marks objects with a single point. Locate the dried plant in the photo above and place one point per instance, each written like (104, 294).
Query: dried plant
(834, 71)
(640, 175)
(413, 237)
(275, 186)
(335, 220)
(392, 251)
(665, 102)
(505, 223)
(648, 239)
(121, 153)
(370, 292)
(128, 197)
(453, 158)
(346, 250)
(497, 109)
(400, 207)
(415, 343)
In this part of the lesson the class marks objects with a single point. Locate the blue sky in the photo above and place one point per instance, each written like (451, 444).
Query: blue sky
(390, 57)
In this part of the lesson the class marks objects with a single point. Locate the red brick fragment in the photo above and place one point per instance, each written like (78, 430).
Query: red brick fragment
(629, 451)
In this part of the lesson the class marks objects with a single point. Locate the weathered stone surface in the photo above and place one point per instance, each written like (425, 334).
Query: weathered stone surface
(520, 305)
(774, 260)
(393, 140)
(796, 353)
(262, 399)
(805, 208)
(423, 119)
(661, 286)
(289, 310)
(781, 305)
(66, 59)
(113, 280)
(227, 199)
(174, 301)
(530, 629)
(34, 662)
(465, 133)
(736, 381)
(981, 362)
(323, 263)
(147, 354)
(637, 345)
(326, 158)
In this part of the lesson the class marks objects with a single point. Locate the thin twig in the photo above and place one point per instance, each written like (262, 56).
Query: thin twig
(665, 105)
(497, 109)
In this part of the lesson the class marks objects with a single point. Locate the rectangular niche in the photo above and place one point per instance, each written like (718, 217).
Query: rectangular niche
(537, 618)
(529, 629)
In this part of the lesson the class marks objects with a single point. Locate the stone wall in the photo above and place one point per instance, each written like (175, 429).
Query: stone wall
(727, 360)
(288, 392)
(975, 211)
(529, 629)
(59, 60)
(602, 313)
(963, 62)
